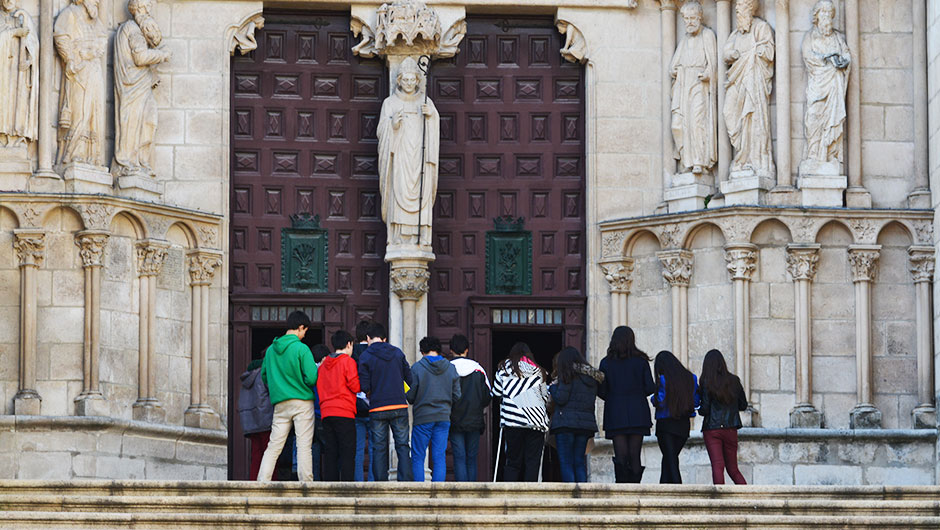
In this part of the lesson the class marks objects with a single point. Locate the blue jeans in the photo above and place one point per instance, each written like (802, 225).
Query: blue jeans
(379, 424)
(362, 429)
(571, 458)
(465, 446)
(435, 434)
(315, 449)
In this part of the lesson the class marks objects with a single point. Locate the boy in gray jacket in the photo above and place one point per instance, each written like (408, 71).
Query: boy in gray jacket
(435, 389)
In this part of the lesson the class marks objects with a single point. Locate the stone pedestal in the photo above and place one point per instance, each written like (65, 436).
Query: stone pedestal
(750, 417)
(91, 404)
(202, 418)
(784, 196)
(86, 178)
(919, 199)
(925, 417)
(408, 280)
(746, 187)
(857, 197)
(688, 192)
(149, 410)
(27, 403)
(865, 416)
(140, 186)
(805, 416)
(15, 168)
(822, 183)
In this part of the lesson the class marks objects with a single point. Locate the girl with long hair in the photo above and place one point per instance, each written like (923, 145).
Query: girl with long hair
(722, 400)
(676, 399)
(574, 391)
(627, 382)
(523, 417)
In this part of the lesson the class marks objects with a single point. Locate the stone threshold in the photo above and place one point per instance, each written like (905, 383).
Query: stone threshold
(757, 434)
(11, 423)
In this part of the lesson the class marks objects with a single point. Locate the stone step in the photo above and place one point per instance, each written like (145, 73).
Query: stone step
(515, 505)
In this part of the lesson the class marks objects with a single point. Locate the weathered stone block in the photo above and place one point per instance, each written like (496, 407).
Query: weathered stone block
(898, 476)
(833, 337)
(856, 452)
(44, 466)
(157, 470)
(765, 372)
(766, 474)
(116, 467)
(827, 475)
(803, 452)
(141, 446)
(804, 417)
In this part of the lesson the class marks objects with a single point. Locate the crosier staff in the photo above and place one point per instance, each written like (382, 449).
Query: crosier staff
(424, 64)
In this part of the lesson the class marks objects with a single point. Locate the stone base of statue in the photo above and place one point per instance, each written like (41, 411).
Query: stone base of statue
(202, 417)
(865, 416)
(86, 178)
(408, 285)
(925, 417)
(27, 403)
(821, 183)
(857, 197)
(750, 417)
(688, 192)
(139, 186)
(15, 167)
(149, 410)
(91, 404)
(784, 196)
(746, 187)
(805, 416)
(919, 198)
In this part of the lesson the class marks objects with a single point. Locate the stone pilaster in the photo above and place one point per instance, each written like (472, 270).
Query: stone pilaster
(864, 261)
(409, 281)
(151, 254)
(742, 260)
(30, 247)
(91, 246)
(202, 267)
(619, 276)
(677, 271)
(802, 262)
(856, 195)
(668, 47)
(922, 264)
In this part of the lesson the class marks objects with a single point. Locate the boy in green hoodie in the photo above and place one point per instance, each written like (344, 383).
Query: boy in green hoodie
(290, 374)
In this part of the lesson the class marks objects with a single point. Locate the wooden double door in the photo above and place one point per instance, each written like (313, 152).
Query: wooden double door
(304, 182)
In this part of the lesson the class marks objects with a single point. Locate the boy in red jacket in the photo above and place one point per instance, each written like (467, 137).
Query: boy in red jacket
(337, 384)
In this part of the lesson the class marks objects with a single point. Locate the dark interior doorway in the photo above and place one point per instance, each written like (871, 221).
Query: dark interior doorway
(544, 343)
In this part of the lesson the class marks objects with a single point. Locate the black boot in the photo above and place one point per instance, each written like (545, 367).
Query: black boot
(635, 478)
(621, 473)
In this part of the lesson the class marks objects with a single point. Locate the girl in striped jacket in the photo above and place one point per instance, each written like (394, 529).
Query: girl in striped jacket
(520, 383)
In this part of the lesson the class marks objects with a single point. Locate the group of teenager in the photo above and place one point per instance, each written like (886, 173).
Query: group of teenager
(362, 388)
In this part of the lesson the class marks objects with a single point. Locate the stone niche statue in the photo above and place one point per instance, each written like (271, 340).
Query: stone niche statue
(82, 41)
(136, 53)
(405, 117)
(827, 58)
(749, 53)
(19, 75)
(694, 71)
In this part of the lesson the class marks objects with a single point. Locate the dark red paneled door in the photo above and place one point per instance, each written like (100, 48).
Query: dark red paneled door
(512, 144)
(303, 124)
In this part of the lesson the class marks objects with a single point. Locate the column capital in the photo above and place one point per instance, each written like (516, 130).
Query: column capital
(618, 273)
(202, 265)
(802, 261)
(151, 254)
(30, 246)
(741, 259)
(668, 5)
(864, 261)
(677, 266)
(91, 245)
(409, 282)
(922, 264)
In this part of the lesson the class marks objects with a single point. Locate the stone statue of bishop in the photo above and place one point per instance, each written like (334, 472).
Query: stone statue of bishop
(19, 75)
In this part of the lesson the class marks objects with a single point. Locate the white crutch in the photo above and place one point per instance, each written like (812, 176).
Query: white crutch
(498, 447)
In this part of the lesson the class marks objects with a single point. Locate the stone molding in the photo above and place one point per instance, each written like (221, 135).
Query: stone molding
(151, 254)
(922, 263)
(742, 260)
(802, 261)
(98, 424)
(619, 274)
(864, 261)
(677, 267)
(30, 247)
(409, 283)
(91, 246)
(202, 265)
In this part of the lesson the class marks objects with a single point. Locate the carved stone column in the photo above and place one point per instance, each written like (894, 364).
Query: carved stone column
(742, 260)
(151, 254)
(47, 142)
(30, 247)
(922, 269)
(619, 276)
(722, 30)
(856, 195)
(864, 261)
(677, 270)
(920, 196)
(409, 282)
(91, 246)
(668, 47)
(802, 262)
(202, 265)
(782, 89)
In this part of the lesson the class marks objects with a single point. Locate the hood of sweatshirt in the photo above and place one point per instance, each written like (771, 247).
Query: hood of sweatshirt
(282, 343)
(435, 364)
(248, 378)
(382, 350)
(331, 360)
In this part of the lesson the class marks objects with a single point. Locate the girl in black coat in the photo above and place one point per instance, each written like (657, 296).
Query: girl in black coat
(573, 423)
(722, 399)
(627, 382)
(676, 399)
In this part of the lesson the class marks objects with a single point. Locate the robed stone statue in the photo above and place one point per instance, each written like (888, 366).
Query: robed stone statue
(81, 40)
(407, 120)
(694, 71)
(827, 58)
(136, 53)
(749, 53)
(19, 75)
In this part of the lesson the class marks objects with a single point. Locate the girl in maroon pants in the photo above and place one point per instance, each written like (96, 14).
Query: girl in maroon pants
(722, 399)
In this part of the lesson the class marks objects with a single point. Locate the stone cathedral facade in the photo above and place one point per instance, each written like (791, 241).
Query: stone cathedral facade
(757, 176)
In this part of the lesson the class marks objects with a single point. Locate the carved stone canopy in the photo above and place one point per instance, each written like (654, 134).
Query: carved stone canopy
(151, 254)
(202, 265)
(802, 261)
(742, 260)
(864, 261)
(922, 263)
(677, 266)
(30, 247)
(91, 247)
(406, 27)
(619, 274)
(409, 283)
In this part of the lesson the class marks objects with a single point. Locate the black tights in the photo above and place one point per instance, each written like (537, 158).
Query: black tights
(627, 449)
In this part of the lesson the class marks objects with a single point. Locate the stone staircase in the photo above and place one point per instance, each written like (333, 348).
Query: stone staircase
(244, 505)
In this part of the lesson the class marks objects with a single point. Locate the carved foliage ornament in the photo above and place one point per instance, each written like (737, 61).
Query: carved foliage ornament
(677, 267)
(741, 262)
(91, 248)
(96, 215)
(802, 263)
(864, 230)
(669, 236)
(209, 235)
(864, 264)
(924, 233)
(150, 257)
(202, 267)
(922, 265)
(619, 275)
(409, 283)
(30, 248)
(612, 244)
